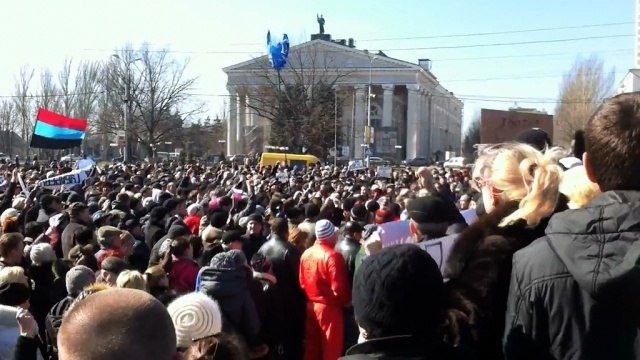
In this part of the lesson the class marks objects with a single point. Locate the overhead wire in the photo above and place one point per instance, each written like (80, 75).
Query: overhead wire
(469, 97)
(476, 34)
(442, 47)
(505, 32)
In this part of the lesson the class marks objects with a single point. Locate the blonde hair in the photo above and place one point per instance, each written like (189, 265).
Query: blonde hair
(577, 187)
(131, 279)
(13, 274)
(523, 173)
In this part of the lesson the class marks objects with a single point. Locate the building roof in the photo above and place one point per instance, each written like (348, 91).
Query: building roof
(337, 57)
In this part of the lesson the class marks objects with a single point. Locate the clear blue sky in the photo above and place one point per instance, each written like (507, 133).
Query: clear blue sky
(42, 33)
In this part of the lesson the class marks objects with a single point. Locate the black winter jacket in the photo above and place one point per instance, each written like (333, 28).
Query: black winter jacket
(575, 292)
(227, 281)
(479, 269)
(405, 347)
(348, 247)
(286, 299)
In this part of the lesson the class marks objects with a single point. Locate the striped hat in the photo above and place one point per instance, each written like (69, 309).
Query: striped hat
(195, 316)
(324, 229)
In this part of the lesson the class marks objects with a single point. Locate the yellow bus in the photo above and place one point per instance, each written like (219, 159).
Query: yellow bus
(295, 160)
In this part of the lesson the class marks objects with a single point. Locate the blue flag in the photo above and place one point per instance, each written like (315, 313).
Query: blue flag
(278, 51)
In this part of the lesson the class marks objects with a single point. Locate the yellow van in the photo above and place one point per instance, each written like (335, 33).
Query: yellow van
(295, 160)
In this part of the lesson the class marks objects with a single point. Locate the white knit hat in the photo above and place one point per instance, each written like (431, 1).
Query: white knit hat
(42, 253)
(195, 316)
(324, 229)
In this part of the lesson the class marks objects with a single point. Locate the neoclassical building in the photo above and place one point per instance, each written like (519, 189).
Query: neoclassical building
(412, 114)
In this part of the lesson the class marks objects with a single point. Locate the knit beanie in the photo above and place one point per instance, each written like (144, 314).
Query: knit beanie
(398, 291)
(77, 278)
(228, 261)
(195, 316)
(42, 253)
(324, 229)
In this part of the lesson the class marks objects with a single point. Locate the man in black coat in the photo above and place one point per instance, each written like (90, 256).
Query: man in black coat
(398, 298)
(288, 299)
(349, 246)
(574, 292)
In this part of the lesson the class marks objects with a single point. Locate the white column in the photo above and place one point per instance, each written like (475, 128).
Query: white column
(433, 133)
(387, 105)
(242, 120)
(252, 118)
(424, 135)
(345, 95)
(360, 122)
(413, 120)
(232, 121)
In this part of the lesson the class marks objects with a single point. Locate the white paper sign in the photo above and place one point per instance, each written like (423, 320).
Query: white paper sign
(384, 171)
(67, 180)
(394, 233)
(84, 164)
(25, 190)
(356, 165)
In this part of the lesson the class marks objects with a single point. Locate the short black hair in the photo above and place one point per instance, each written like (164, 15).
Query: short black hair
(311, 211)
(180, 245)
(231, 236)
(33, 229)
(218, 218)
(47, 200)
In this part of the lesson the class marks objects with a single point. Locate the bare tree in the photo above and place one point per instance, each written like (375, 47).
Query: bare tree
(300, 101)
(8, 125)
(87, 89)
(23, 103)
(582, 90)
(159, 90)
(49, 97)
(471, 136)
(66, 88)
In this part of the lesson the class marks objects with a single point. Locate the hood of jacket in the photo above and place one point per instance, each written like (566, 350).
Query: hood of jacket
(600, 245)
(226, 275)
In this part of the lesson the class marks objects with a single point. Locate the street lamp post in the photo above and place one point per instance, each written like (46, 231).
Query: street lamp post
(368, 138)
(128, 108)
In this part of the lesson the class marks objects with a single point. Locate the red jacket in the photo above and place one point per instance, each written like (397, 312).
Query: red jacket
(182, 277)
(324, 276)
(193, 224)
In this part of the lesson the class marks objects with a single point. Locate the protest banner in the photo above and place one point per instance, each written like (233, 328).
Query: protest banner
(67, 180)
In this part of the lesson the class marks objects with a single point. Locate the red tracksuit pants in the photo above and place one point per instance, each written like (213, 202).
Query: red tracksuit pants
(324, 332)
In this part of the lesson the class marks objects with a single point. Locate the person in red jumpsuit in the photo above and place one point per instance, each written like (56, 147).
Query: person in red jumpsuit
(324, 279)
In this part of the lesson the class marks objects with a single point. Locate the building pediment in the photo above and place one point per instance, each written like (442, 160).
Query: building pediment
(327, 55)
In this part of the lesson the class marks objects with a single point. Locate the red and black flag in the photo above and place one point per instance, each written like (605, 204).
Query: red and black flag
(54, 131)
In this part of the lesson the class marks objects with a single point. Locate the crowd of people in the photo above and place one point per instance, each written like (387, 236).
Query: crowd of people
(531, 253)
